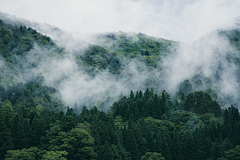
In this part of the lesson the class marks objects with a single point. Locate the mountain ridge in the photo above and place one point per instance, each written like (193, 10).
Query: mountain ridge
(136, 61)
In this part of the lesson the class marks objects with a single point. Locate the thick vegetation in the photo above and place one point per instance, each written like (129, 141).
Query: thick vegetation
(150, 124)
(142, 126)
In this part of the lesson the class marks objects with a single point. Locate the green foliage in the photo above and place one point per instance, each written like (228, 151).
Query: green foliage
(25, 98)
(20, 40)
(7, 113)
(53, 155)
(130, 144)
(152, 156)
(5, 137)
(78, 143)
(51, 134)
(18, 133)
(149, 125)
(180, 135)
(201, 102)
(30, 154)
(142, 105)
(97, 56)
(33, 153)
(233, 154)
(16, 43)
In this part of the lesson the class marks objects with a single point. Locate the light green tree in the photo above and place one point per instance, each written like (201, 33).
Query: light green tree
(33, 153)
(78, 143)
(152, 156)
(54, 155)
(29, 154)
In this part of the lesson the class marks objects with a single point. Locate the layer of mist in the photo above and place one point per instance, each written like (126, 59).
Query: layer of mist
(184, 21)
(205, 58)
(198, 61)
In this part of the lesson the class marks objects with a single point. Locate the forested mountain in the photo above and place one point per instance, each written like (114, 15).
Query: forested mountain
(117, 95)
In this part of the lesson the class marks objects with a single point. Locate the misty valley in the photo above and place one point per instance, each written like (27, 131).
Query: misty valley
(117, 95)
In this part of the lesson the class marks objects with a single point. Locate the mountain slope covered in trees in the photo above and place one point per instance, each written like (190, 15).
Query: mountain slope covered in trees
(129, 109)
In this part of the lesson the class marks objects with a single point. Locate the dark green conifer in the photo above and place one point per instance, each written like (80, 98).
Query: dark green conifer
(70, 112)
(139, 139)
(164, 108)
(83, 116)
(68, 123)
(175, 147)
(131, 95)
(151, 107)
(136, 112)
(140, 95)
(5, 138)
(216, 151)
(157, 107)
(137, 96)
(27, 132)
(131, 145)
(18, 133)
(38, 129)
(7, 113)
(158, 142)
(147, 93)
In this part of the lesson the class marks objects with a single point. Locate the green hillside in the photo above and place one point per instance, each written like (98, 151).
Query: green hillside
(52, 104)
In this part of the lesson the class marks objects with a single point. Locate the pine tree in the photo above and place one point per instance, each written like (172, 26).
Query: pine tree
(70, 112)
(124, 154)
(151, 107)
(165, 150)
(68, 123)
(157, 107)
(139, 139)
(115, 108)
(158, 142)
(7, 113)
(187, 144)
(148, 136)
(163, 103)
(105, 152)
(145, 111)
(60, 115)
(83, 116)
(128, 112)
(131, 145)
(207, 147)
(162, 145)
(130, 121)
(18, 133)
(147, 94)
(131, 95)
(216, 151)
(113, 138)
(122, 110)
(5, 137)
(27, 133)
(38, 129)
(175, 147)
(140, 95)
(137, 96)
(136, 112)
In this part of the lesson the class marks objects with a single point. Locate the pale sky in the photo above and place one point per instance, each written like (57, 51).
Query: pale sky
(179, 20)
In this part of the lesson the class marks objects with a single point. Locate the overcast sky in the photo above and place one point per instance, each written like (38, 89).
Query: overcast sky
(180, 20)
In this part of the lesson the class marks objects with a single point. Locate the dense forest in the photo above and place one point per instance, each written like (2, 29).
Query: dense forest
(143, 121)
(144, 125)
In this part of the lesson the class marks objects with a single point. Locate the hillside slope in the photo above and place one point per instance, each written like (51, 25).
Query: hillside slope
(118, 62)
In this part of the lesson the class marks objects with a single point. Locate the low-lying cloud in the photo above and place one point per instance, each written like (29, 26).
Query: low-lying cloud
(184, 21)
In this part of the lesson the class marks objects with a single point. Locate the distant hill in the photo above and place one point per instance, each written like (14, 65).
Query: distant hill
(119, 61)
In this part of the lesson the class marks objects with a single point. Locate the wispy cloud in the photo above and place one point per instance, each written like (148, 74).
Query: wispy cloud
(171, 19)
